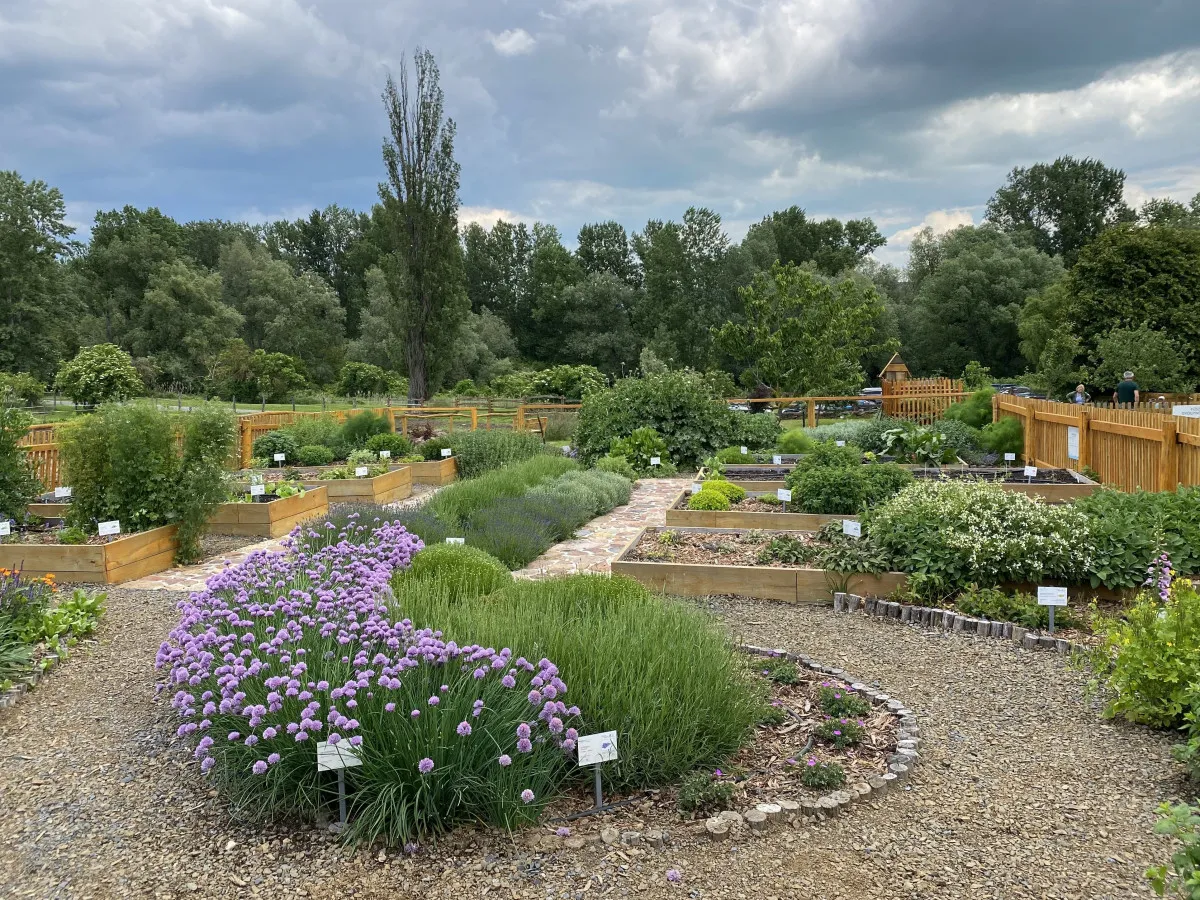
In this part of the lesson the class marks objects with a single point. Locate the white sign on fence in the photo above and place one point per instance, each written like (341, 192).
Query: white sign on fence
(385, 454)
(257, 490)
(655, 461)
(280, 457)
(783, 495)
(1010, 457)
(446, 452)
(5, 528)
(851, 528)
(331, 757)
(456, 540)
(61, 493)
(1052, 596)
(597, 748)
(1072, 442)
(777, 459)
(1188, 410)
(108, 529)
(361, 472)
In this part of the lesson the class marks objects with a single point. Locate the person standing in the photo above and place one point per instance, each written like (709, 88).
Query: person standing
(1127, 391)
(1079, 395)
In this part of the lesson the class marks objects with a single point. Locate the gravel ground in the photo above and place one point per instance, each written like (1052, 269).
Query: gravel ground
(1022, 793)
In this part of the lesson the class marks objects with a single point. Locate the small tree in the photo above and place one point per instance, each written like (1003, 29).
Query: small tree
(359, 379)
(99, 374)
(18, 484)
(1153, 357)
(803, 335)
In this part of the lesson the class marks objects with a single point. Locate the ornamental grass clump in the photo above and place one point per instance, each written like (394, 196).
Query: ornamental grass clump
(288, 649)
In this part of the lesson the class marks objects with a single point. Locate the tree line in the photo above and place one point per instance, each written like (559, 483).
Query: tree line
(1062, 282)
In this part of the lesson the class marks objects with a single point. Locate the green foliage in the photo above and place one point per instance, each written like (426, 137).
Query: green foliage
(828, 454)
(360, 428)
(780, 671)
(677, 405)
(822, 775)
(843, 702)
(398, 444)
(1182, 876)
(571, 382)
(883, 481)
(480, 451)
(359, 379)
(831, 490)
(126, 463)
(704, 792)
(1005, 436)
(1155, 360)
(273, 442)
(671, 715)
(314, 455)
(840, 733)
(1022, 609)
(617, 465)
(734, 455)
(456, 503)
(845, 555)
(20, 388)
(639, 447)
(787, 549)
(915, 443)
(62, 624)
(1149, 656)
(1129, 530)
(865, 433)
(561, 426)
(458, 570)
(975, 410)
(15, 654)
(325, 430)
(803, 334)
(755, 431)
(708, 500)
(242, 372)
(976, 377)
(99, 374)
(795, 441)
(960, 438)
(72, 535)
(733, 493)
(432, 449)
(18, 483)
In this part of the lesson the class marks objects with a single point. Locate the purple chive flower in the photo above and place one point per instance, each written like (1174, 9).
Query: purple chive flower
(527, 796)
(434, 701)
(508, 681)
(464, 729)
(207, 764)
(563, 832)
(674, 875)
(273, 759)
(523, 730)
(415, 714)
(505, 760)
(389, 707)
(425, 766)
(524, 746)
(259, 768)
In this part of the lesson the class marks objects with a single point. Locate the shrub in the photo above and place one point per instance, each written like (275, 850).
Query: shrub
(672, 715)
(677, 405)
(477, 748)
(732, 492)
(314, 455)
(1182, 877)
(19, 485)
(961, 438)
(598, 492)
(480, 452)
(639, 447)
(432, 449)
(1023, 609)
(822, 775)
(972, 532)
(571, 382)
(23, 600)
(708, 500)
(358, 429)
(795, 441)
(787, 549)
(1130, 530)
(975, 410)
(127, 463)
(733, 456)
(518, 530)
(865, 433)
(883, 481)
(1005, 436)
(398, 444)
(99, 374)
(703, 792)
(829, 455)
(458, 569)
(72, 535)
(829, 490)
(15, 654)
(617, 465)
(917, 444)
(362, 380)
(781, 672)
(758, 431)
(324, 430)
(561, 426)
(20, 387)
(425, 525)
(456, 503)
(276, 442)
(1149, 656)
(841, 702)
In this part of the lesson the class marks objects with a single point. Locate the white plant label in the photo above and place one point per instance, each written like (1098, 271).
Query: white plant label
(456, 540)
(257, 490)
(1072, 442)
(385, 454)
(5, 528)
(597, 748)
(1010, 457)
(1052, 596)
(361, 472)
(62, 493)
(744, 450)
(566, 451)
(840, 443)
(783, 495)
(696, 488)
(656, 461)
(1190, 411)
(446, 452)
(331, 757)
(108, 529)
(1031, 471)
(851, 528)
(280, 457)
(777, 459)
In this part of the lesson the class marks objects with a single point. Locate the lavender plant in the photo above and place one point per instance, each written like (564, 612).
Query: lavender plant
(288, 649)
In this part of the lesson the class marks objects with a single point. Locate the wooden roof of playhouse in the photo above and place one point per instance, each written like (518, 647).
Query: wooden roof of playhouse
(895, 370)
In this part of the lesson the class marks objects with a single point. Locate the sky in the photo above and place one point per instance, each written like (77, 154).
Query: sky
(911, 112)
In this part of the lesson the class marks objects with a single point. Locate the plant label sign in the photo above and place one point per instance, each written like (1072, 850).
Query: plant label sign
(656, 460)
(331, 757)
(456, 540)
(840, 443)
(1031, 471)
(567, 450)
(446, 452)
(385, 454)
(108, 529)
(851, 528)
(594, 749)
(257, 490)
(5, 528)
(280, 457)
(361, 472)
(777, 459)
(744, 450)
(696, 488)
(62, 493)
(1052, 596)
(1191, 411)
(1072, 442)
(1010, 457)
(783, 495)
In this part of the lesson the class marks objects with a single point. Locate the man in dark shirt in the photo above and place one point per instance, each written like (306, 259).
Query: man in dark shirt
(1127, 391)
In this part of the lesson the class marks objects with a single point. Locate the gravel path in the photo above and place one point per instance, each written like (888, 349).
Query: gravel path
(1022, 793)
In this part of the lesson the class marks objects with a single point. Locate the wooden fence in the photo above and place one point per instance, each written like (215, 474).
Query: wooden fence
(1129, 448)
(922, 400)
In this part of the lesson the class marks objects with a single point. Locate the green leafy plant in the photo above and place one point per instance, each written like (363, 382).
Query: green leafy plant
(732, 492)
(841, 702)
(1005, 436)
(1022, 609)
(780, 672)
(639, 447)
(72, 534)
(829, 490)
(840, 733)
(398, 444)
(795, 441)
(18, 483)
(20, 388)
(787, 549)
(325, 430)
(755, 431)
(975, 410)
(98, 374)
(617, 465)
(916, 444)
(360, 428)
(274, 442)
(703, 792)
(314, 455)
(479, 452)
(459, 570)
(828, 454)
(821, 775)
(1130, 529)
(705, 499)
(432, 449)
(1182, 876)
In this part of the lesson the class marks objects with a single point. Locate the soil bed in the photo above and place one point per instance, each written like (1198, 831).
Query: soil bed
(765, 503)
(1000, 476)
(724, 548)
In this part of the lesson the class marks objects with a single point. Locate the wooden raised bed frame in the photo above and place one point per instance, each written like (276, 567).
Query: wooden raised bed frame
(269, 520)
(386, 488)
(437, 472)
(768, 582)
(128, 557)
(767, 521)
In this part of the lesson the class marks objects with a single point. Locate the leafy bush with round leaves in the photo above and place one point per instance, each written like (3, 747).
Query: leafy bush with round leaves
(101, 373)
(18, 483)
(733, 493)
(432, 449)
(398, 444)
(883, 481)
(831, 490)
(757, 431)
(827, 455)
(708, 499)
(314, 455)
(273, 442)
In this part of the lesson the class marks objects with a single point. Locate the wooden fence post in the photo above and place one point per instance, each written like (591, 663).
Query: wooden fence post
(1085, 437)
(810, 412)
(247, 444)
(995, 408)
(391, 414)
(1030, 435)
(1168, 466)
(474, 418)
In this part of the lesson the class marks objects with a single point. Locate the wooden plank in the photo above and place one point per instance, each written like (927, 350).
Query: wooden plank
(1135, 431)
(1057, 418)
(48, 510)
(438, 472)
(141, 567)
(45, 558)
(683, 580)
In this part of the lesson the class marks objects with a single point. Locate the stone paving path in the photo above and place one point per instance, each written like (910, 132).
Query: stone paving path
(601, 540)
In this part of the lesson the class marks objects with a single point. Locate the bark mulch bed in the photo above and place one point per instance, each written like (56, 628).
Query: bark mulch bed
(765, 503)
(1000, 476)
(724, 548)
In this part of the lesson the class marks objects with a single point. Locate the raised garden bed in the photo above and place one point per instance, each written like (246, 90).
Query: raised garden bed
(696, 563)
(389, 487)
(437, 472)
(268, 516)
(1051, 485)
(120, 559)
(750, 513)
